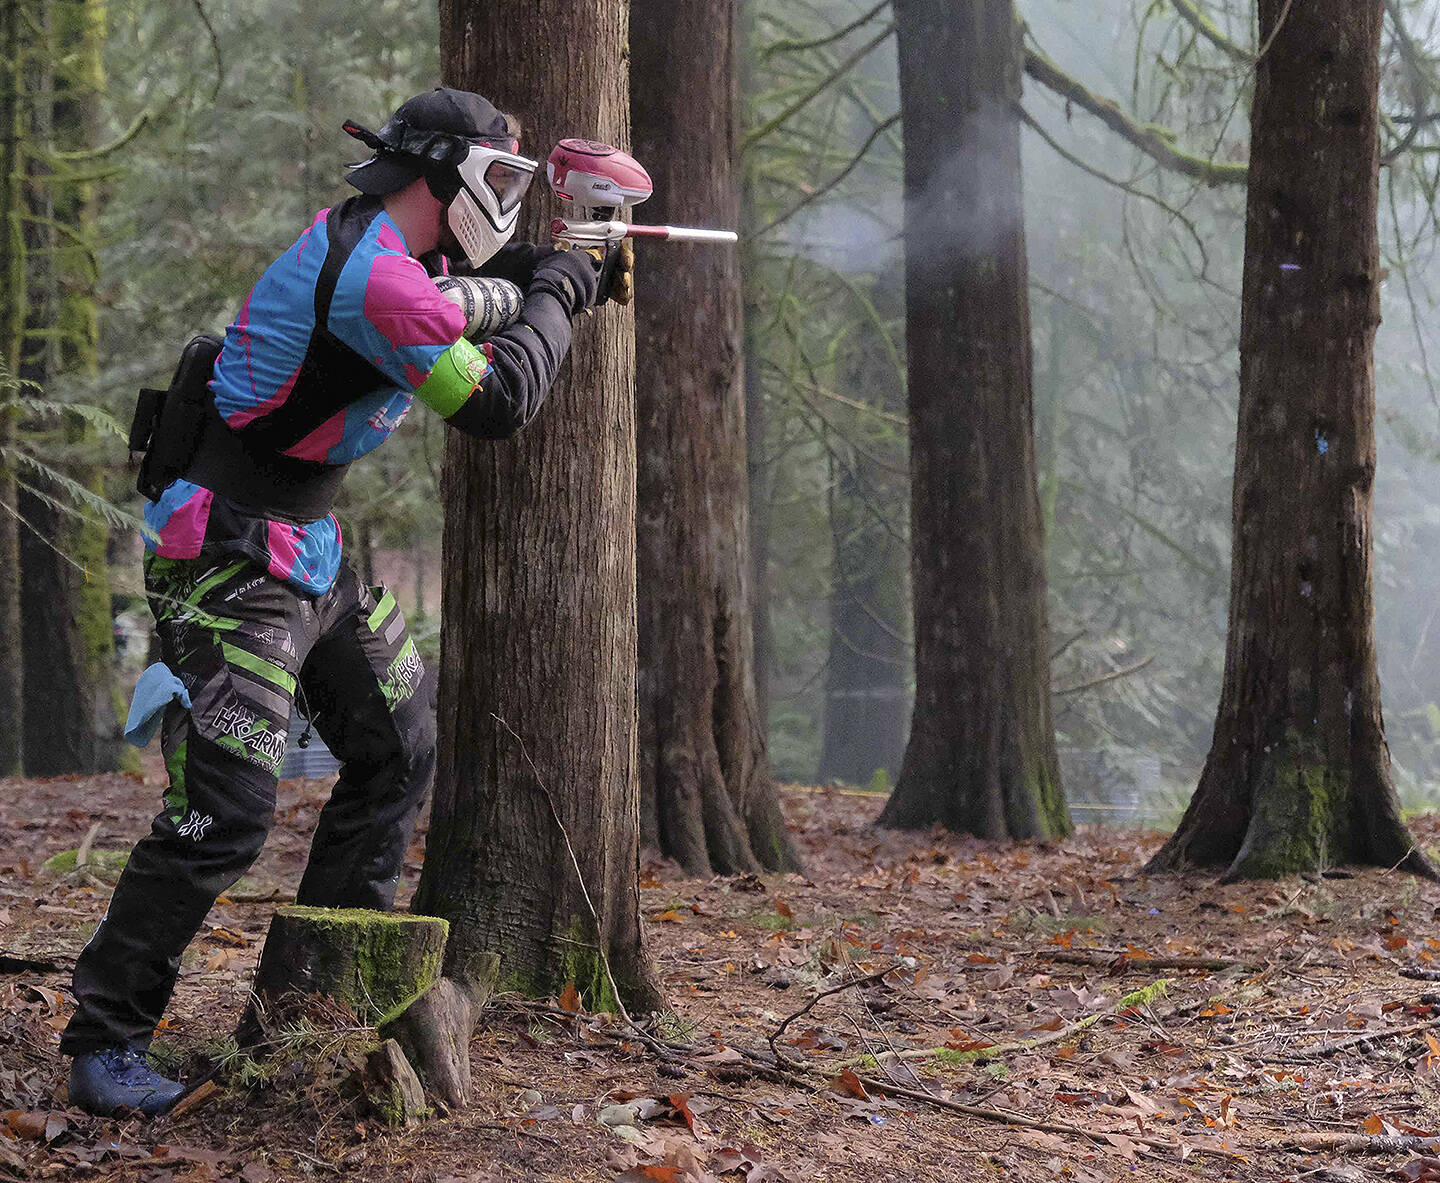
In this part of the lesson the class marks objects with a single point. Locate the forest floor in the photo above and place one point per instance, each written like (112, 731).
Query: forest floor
(1289, 1040)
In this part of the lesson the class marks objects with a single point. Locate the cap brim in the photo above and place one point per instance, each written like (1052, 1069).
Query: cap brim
(378, 177)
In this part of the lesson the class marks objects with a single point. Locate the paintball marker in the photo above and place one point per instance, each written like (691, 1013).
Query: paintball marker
(599, 181)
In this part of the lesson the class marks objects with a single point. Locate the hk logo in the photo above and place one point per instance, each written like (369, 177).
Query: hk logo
(235, 720)
(195, 826)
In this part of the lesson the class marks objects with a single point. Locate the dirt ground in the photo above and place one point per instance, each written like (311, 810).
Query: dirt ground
(1296, 1035)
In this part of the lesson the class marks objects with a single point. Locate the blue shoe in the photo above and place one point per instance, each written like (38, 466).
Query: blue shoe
(116, 1078)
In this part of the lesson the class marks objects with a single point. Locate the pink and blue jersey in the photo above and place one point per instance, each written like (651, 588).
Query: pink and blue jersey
(319, 367)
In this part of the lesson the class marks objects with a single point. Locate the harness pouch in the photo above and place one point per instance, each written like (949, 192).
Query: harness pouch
(167, 428)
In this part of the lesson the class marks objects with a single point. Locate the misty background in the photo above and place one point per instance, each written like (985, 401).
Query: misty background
(1135, 310)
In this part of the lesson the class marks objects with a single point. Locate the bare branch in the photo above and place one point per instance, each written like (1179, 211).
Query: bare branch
(1192, 15)
(1156, 142)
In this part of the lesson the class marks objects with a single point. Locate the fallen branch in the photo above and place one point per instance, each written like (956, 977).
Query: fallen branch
(1363, 1143)
(1008, 1117)
(1339, 1045)
(780, 1056)
(1144, 964)
(980, 1055)
(817, 1080)
(20, 963)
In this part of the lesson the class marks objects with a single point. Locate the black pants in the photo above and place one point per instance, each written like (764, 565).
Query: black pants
(239, 639)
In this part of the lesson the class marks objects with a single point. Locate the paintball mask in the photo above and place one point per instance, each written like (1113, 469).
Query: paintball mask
(465, 150)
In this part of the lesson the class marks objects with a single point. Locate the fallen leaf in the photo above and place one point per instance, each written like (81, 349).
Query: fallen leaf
(681, 1103)
(653, 1174)
(25, 1124)
(848, 1082)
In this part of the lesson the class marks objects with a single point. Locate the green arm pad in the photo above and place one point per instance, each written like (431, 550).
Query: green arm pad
(457, 373)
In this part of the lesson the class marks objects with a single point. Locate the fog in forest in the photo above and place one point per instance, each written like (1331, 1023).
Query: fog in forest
(1135, 300)
(1135, 310)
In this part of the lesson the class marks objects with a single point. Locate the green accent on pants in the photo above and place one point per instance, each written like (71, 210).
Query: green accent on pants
(236, 656)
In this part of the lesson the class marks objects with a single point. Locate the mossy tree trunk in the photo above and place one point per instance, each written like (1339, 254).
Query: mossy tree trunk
(708, 799)
(981, 755)
(69, 721)
(12, 322)
(1298, 775)
(537, 671)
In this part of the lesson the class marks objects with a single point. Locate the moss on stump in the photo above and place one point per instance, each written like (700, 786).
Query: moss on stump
(377, 963)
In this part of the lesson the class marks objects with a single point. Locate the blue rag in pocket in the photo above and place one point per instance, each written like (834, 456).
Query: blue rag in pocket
(157, 688)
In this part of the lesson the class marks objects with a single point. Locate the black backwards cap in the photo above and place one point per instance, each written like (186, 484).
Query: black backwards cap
(432, 130)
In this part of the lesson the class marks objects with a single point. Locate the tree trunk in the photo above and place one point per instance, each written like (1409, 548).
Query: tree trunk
(757, 478)
(70, 705)
(1298, 775)
(12, 325)
(707, 796)
(981, 756)
(869, 662)
(537, 671)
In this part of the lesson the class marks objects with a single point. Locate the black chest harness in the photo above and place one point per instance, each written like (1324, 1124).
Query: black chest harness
(182, 435)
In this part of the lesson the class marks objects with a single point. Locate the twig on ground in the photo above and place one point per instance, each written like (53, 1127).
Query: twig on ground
(780, 1056)
(82, 855)
(1362, 1143)
(195, 1097)
(1328, 1049)
(979, 1055)
(1009, 1117)
(804, 1076)
(1106, 960)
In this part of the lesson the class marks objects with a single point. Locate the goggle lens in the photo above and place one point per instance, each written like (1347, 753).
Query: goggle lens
(508, 183)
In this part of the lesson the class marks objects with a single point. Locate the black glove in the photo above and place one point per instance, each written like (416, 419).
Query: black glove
(516, 262)
(569, 276)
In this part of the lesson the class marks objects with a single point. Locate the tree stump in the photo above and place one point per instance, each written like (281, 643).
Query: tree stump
(376, 963)
(435, 1030)
(392, 1087)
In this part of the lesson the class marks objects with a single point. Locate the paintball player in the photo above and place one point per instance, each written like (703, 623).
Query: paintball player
(251, 596)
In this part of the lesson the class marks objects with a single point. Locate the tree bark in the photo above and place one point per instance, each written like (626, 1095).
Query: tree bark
(12, 324)
(869, 660)
(757, 473)
(70, 705)
(537, 671)
(708, 799)
(1298, 775)
(981, 756)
